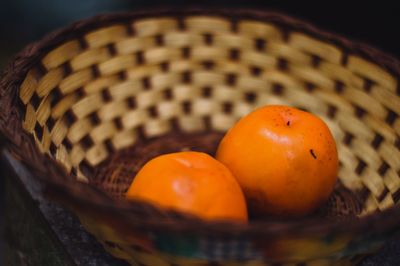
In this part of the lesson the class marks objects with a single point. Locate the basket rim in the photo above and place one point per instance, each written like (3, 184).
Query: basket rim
(21, 142)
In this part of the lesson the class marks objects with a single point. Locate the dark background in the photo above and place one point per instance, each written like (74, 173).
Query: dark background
(24, 21)
(374, 22)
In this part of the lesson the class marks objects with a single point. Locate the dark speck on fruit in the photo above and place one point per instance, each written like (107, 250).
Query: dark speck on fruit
(313, 154)
(288, 123)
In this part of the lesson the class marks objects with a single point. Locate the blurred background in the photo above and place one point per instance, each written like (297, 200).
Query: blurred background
(24, 21)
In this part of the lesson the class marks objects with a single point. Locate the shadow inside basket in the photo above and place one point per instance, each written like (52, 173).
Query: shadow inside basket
(115, 174)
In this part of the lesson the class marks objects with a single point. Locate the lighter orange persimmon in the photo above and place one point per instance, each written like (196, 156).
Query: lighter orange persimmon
(191, 182)
(285, 160)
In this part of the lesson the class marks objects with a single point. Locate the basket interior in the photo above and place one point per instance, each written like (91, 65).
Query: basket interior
(105, 102)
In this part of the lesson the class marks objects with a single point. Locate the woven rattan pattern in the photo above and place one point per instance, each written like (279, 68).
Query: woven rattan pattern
(94, 95)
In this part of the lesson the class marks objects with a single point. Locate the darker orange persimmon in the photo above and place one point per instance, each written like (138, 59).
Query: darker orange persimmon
(191, 182)
(285, 160)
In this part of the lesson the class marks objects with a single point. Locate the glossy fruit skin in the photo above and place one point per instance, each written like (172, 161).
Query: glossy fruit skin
(191, 182)
(285, 160)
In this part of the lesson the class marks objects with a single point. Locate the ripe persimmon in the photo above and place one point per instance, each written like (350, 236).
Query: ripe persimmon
(191, 182)
(284, 159)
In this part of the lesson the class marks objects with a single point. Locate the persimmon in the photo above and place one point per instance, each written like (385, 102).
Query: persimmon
(191, 182)
(284, 159)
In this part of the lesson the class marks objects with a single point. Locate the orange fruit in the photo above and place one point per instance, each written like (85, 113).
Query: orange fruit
(191, 182)
(284, 159)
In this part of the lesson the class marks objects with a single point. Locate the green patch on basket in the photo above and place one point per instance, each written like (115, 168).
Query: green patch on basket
(186, 246)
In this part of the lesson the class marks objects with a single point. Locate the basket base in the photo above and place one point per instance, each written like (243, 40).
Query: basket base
(89, 250)
(115, 175)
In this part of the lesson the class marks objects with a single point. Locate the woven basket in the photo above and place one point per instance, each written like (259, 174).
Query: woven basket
(88, 105)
